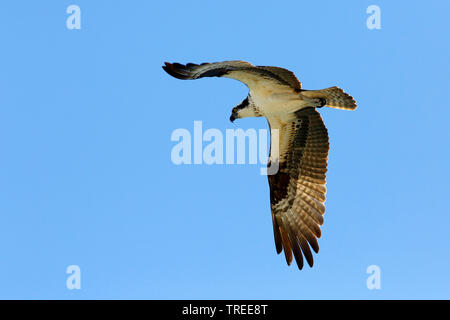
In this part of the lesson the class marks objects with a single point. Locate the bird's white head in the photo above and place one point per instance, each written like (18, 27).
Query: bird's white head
(244, 110)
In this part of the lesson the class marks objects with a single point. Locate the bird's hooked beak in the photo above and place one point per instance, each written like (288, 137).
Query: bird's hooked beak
(234, 115)
(236, 110)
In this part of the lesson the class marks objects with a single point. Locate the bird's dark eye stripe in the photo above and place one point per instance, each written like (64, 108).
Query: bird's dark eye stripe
(243, 104)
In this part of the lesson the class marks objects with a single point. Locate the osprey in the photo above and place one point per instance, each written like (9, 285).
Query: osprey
(297, 189)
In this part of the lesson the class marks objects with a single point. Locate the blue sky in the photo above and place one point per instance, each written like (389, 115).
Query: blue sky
(86, 176)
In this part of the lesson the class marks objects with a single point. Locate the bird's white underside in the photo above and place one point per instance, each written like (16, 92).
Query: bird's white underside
(277, 103)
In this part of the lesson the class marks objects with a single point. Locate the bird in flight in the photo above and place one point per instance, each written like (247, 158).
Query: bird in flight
(297, 187)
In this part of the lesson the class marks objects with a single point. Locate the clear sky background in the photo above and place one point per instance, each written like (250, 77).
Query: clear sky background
(86, 176)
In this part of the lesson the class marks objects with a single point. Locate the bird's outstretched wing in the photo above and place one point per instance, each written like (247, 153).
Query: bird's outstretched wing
(297, 190)
(253, 76)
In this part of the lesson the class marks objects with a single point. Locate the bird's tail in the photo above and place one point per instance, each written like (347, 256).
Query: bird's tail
(335, 98)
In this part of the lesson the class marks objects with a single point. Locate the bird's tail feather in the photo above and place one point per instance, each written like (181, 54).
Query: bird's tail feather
(335, 97)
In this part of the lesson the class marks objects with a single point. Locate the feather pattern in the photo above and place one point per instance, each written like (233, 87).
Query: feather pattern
(297, 190)
(252, 76)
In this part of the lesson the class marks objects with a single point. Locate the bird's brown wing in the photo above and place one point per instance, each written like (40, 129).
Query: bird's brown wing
(286, 75)
(254, 77)
(297, 190)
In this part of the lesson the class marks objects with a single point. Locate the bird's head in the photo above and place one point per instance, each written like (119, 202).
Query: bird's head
(243, 110)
